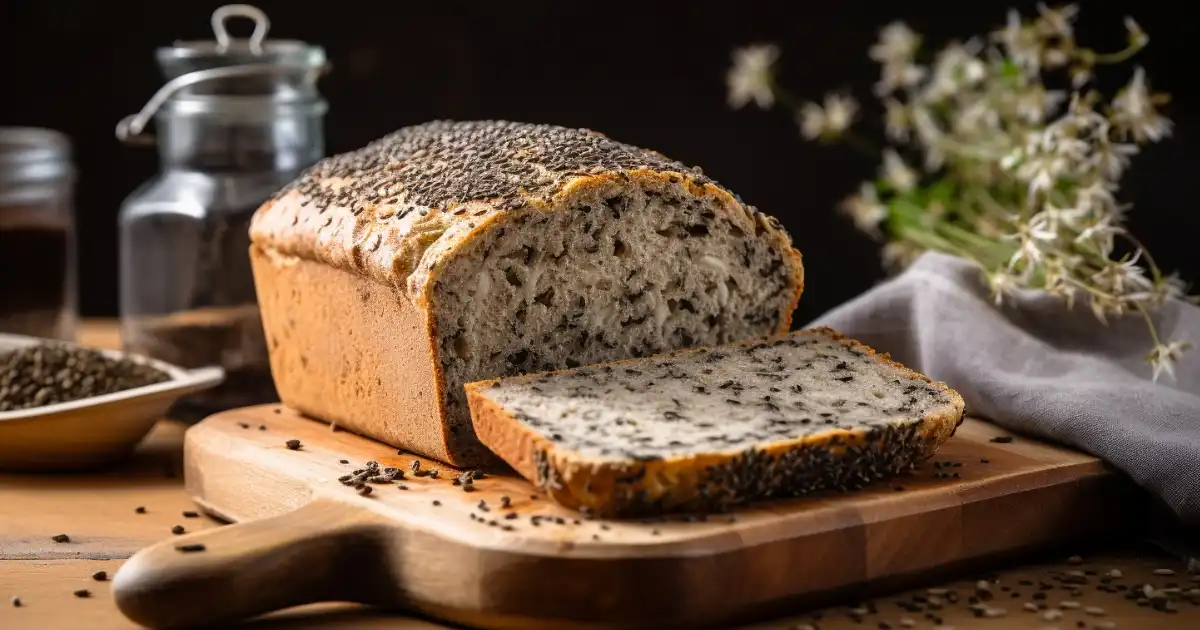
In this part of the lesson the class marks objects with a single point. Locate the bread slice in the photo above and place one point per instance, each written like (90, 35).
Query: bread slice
(709, 429)
(451, 252)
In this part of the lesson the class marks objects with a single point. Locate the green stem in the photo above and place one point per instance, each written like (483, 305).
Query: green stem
(1149, 324)
(1118, 57)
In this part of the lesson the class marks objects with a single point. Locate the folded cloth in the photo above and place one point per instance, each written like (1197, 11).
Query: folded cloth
(1034, 366)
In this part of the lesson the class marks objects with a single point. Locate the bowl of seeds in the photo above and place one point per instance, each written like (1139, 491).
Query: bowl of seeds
(66, 407)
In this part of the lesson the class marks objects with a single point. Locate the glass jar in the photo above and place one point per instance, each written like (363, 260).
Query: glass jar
(236, 121)
(37, 234)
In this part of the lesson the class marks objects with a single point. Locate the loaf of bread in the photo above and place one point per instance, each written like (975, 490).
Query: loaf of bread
(709, 429)
(457, 251)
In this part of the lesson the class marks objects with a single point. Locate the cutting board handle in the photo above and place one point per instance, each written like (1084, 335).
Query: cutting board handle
(320, 552)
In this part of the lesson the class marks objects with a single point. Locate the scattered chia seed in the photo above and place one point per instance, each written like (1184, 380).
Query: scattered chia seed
(363, 490)
(15, 601)
(190, 514)
(177, 530)
(82, 593)
(343, 461)
(192, 548)
(1164, 572)
(243, 425)
(262, 427)
(61, 538)
(1075, 560)
(100, 576)
(293, 445)
(436, 503)
(141, 509)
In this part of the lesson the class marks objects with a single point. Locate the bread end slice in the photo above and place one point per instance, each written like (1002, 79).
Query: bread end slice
(713, 480)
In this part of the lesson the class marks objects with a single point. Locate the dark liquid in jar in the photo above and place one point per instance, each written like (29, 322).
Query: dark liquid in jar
(34, 281)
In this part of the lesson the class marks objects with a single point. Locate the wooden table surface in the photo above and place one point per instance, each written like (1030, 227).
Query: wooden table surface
(100, 513)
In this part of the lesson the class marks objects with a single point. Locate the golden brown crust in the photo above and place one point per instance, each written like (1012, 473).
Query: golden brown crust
(675, 483)
(330, 362)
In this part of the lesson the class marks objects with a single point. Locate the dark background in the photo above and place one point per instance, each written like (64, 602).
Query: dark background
(646, 73)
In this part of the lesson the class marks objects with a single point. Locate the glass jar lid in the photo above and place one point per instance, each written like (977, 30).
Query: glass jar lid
(31, 154)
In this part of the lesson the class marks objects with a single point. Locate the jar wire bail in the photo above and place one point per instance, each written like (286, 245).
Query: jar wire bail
(261, 25)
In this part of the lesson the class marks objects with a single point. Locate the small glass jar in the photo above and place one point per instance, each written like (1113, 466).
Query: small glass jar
(236, 121)
(37, 234)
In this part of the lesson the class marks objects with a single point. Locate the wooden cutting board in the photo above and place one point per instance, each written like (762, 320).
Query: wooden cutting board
(424, 544)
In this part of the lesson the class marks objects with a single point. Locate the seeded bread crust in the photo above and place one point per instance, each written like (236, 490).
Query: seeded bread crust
(834, 459)
(391, 220)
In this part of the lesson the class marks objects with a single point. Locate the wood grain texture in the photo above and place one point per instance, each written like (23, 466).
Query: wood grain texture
(413, 553)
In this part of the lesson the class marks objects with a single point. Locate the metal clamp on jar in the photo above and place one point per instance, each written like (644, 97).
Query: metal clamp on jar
(236, 121)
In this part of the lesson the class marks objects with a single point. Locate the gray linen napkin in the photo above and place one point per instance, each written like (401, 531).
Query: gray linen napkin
(1036, 367)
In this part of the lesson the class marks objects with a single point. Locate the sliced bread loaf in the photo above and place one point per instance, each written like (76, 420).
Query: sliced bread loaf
(451, 252)
(708, 429)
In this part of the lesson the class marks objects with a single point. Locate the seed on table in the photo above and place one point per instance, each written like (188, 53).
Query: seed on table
(1075, 560)
(1030, 606)
(83, 592)
(1052, 615)
(192, 548)
(436, 503)
(141, 509)
(1094, 611)
(263, 427)
(1114, 573)
(905, 622)
(293, 444)
(505, 502)
(190, 514)
(1164, 572)
(15, 601)
(363, 490)
(61, 538)
(343, 461)
(100, 576)
(243, 425)
(177, 530)
(982, 585)
(1069, 605)
(1002, 439)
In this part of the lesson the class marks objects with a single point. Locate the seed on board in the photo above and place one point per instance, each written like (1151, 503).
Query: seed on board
(177, 530)
(505, 502)
(468, 487)
(243, 425)
(483, 506)
(190, 514)
(141, 509)
(1030, 606)
(293, 444)
(15, 601)
(343, 461)
(1002, 439)
(1114, 574)
(402, 487)
(984, 460)
(61, 538)
(905, 622)
(83, 592)
(1075, 560)
(1164, 572)
(982, 585)
(416, 465)
(363, 490)
(1053, 614)
(192, 548)
(1069, 605)
(100, 576)
(1094, 611)
(436, 503)
(263, 427)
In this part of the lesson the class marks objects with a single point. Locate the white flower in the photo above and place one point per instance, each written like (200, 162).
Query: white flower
(865, 209)
(896, 172)
(1003, 285)
(1137, 37)
(955, 68)
(1100, 233)
(1134, 113)
(1057, 22)
(896, 120)
(1036, 104)
(750, 77)
(1112, 158)
(1033, 241)
(898, 74)
(1021, 43)
(831, 120)
(1164, 357)
(929, 134)
(897, 43)
(1124, 280)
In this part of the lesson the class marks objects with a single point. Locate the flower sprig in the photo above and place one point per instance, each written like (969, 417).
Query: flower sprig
(987, 162)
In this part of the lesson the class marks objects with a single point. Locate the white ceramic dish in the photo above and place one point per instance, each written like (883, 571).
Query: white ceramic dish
(95, 431)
